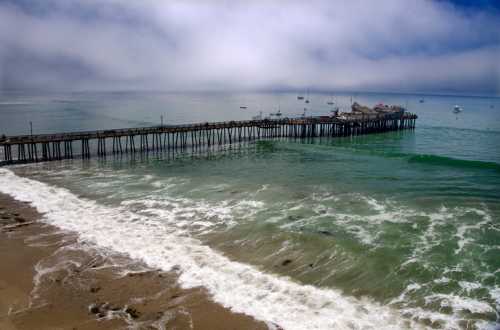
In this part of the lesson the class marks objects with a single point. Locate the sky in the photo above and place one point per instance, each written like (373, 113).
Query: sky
(429, 46)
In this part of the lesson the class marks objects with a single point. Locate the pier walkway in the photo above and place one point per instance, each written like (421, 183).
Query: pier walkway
(48, 147)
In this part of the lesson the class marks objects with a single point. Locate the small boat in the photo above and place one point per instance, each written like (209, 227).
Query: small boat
(457, 109)
(276, 114)
(243, 107)
(331, 101)
(300, 97)
(421, 101)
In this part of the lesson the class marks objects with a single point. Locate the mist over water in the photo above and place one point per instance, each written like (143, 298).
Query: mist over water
(399, 229)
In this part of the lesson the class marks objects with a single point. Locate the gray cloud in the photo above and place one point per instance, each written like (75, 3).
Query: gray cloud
(211, 45)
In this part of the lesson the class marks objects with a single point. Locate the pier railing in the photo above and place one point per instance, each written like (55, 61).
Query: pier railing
(46, 147)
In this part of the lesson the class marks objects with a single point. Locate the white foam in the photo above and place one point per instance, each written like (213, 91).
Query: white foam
(468, 228)
(377, 206)
(413, 287)
(147, 177)
(495, 295)
(469, 286)
(442, 280)
(460, 303)
(194, 215)
(429, 237)
(241, 287)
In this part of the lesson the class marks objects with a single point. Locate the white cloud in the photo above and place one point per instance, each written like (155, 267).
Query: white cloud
(165, 45)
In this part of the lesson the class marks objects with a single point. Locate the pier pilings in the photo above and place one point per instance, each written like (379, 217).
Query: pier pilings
(49, 147)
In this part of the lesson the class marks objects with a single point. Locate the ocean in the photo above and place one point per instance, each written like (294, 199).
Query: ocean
(395, 230)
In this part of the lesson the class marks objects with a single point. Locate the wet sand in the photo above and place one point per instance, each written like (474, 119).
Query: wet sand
(49, 280)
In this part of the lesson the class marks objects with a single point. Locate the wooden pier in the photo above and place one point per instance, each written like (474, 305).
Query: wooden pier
(48, 147)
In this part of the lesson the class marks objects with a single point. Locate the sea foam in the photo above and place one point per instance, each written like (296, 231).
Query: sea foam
(238, 286)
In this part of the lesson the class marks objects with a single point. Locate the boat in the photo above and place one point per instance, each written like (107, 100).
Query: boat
(299, 97)
(243, 107)
(421, 101)
(277, 114)
(331, 101)
(457, 109)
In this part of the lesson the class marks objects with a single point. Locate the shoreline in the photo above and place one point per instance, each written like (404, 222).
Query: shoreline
(51, 280)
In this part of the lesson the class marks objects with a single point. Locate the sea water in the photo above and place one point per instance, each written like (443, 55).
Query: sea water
(394, 230)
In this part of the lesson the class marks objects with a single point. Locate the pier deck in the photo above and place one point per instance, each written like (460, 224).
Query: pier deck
(47, 147)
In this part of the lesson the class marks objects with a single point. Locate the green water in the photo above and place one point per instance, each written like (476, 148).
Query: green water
(409, 219)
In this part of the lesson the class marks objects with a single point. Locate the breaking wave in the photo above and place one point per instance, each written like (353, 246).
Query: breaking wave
(238, 286)
(453, 162)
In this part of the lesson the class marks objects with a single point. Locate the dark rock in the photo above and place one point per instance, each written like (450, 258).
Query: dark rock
(94, 309)
(95, 264)
(311, 265)
(20, 219)
(326, 232)
(95, 289)
(286, 262)
(134, 313)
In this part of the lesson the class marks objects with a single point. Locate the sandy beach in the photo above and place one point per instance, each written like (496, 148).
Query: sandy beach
(50, 280)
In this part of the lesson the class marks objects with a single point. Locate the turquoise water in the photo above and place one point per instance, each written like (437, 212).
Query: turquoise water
(409, 221)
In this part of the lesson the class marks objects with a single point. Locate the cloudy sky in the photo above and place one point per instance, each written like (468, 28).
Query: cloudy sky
(352, 45)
